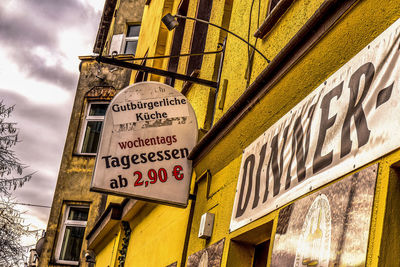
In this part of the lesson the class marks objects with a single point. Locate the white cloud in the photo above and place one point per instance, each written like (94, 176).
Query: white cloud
(49, 59)
(97, 5)
(71, 40)
(14, 80)
(34, 223)
(39, 73)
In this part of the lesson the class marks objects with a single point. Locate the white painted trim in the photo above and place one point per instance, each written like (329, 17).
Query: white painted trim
(66, 222)
(84, 125)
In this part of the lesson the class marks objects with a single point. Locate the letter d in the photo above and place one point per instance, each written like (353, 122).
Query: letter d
(248, 166)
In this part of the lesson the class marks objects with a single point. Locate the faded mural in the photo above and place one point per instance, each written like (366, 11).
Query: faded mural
(175, 264)
(329, 227)
(208, 257)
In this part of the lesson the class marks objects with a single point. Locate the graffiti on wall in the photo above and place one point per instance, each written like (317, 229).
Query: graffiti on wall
(208, 257)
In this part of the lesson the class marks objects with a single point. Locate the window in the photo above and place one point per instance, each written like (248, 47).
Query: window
(71, 235)
(131, 39)
(177, 40)
(125, 43)
(199, 35)
(92, 127)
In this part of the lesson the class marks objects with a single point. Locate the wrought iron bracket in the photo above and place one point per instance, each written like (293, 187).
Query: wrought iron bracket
(174, 75)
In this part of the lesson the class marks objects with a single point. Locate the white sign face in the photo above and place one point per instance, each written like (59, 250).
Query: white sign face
(348, 121)
(148, 132)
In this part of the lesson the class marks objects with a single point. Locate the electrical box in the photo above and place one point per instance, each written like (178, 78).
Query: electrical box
(116, 44)
(206, 225)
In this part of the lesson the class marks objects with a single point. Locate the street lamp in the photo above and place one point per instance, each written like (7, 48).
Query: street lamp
(171, 23)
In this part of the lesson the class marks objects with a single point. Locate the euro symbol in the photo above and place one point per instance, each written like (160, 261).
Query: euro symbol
(177, 172)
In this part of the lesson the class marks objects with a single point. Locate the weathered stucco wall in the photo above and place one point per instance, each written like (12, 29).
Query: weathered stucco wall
(128, 12)
(75, 172)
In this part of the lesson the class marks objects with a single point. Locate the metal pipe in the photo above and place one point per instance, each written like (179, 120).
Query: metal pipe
(180, 55)
(218, 81)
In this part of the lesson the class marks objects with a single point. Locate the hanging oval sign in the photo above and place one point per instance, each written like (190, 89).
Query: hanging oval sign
(148, 131)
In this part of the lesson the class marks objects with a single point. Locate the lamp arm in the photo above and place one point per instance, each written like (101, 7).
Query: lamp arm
(228, 31)
(180, 55)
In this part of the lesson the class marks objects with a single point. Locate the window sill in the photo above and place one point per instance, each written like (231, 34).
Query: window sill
(90, 155)
(273, 18)
(64, 263)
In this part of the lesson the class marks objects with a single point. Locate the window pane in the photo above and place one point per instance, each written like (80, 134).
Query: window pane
(98, 109)
(133, 31)
(92, 136)
(72, 243)
(78, 214)
(130, 47)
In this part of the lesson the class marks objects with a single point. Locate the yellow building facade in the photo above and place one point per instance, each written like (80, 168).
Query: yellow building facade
(276, 177)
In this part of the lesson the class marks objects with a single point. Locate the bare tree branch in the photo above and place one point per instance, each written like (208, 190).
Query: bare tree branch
(12, 226)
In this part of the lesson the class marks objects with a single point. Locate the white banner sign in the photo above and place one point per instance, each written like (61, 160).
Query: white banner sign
(148, 132)
(348, 121)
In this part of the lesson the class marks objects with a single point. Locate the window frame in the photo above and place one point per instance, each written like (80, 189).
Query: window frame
(270, 7)
(86, 119)
(130, 38)
(247, 243)
(65, 222)
(273, 16)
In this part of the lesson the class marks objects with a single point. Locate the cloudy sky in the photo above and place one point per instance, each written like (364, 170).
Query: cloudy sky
(40, 41)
